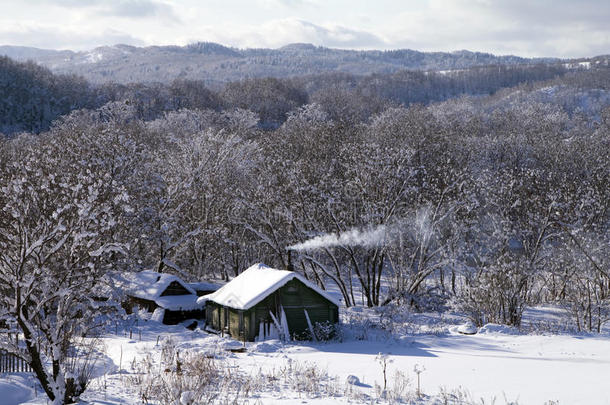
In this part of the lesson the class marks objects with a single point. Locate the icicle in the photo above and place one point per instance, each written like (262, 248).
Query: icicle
(285, 324)
(313, 334)
(275, 321)
(273, 332)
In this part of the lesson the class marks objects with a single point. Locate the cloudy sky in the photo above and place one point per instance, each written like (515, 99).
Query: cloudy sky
(563, 28)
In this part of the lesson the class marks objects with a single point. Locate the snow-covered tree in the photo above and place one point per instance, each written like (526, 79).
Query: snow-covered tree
(56, 218)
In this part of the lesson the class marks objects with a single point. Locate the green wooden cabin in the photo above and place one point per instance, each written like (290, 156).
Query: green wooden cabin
(245, 307)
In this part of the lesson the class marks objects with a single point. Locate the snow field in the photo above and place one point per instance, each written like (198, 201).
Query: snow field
(496, 365)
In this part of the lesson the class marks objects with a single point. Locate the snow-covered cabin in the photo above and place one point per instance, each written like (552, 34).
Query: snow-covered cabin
(152, 291)
(263, 302)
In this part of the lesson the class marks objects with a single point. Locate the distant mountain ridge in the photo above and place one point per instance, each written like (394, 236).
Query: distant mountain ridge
(216, 63)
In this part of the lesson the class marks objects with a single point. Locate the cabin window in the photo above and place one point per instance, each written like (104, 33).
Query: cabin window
(292, 289)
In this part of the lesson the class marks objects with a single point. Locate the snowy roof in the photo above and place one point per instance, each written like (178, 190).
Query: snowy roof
(254, 285)
(149, 285)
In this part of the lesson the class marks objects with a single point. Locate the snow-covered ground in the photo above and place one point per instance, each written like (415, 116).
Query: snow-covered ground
(16, 388)
(498, 363)
(527, 369)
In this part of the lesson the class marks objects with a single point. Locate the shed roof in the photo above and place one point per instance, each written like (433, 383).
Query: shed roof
(149, 285)
(255, 284)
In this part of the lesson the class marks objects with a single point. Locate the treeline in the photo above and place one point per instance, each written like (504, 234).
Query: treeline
(33, 97)
(489, 204)
(483, 204)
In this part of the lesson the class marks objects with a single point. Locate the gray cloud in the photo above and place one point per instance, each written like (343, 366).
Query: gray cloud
(292, 3)
(522, 27)
(277, 33)
(48, 38)
(338, 36)
(140, 8)
(296, 30)
(118, 8)
(556, 13)
(287, 3)
(565, 28)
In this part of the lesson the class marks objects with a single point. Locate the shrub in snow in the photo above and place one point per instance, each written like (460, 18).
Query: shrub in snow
(327, 331)
(323, 331)
(399, 391)
(458, 396)
(496, 294)
(307, 378)
(195, 378)
(362, 325)
(188, 378)
(168, 350)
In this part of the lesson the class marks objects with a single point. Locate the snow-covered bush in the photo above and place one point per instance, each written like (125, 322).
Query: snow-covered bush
(306, 378)
(81, 363)
(495, 295)
(327, 331)
(199, 378)
(192, 377)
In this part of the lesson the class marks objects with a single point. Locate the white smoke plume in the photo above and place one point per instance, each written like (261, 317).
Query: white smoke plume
(353, 237)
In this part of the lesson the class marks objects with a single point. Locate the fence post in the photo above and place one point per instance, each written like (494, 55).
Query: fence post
(12, 363)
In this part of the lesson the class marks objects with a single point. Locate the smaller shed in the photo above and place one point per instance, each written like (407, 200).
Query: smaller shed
(263, 302)
(151, 290)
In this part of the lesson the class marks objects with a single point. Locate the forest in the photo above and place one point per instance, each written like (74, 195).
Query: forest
(215, 64)
(484, 190)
